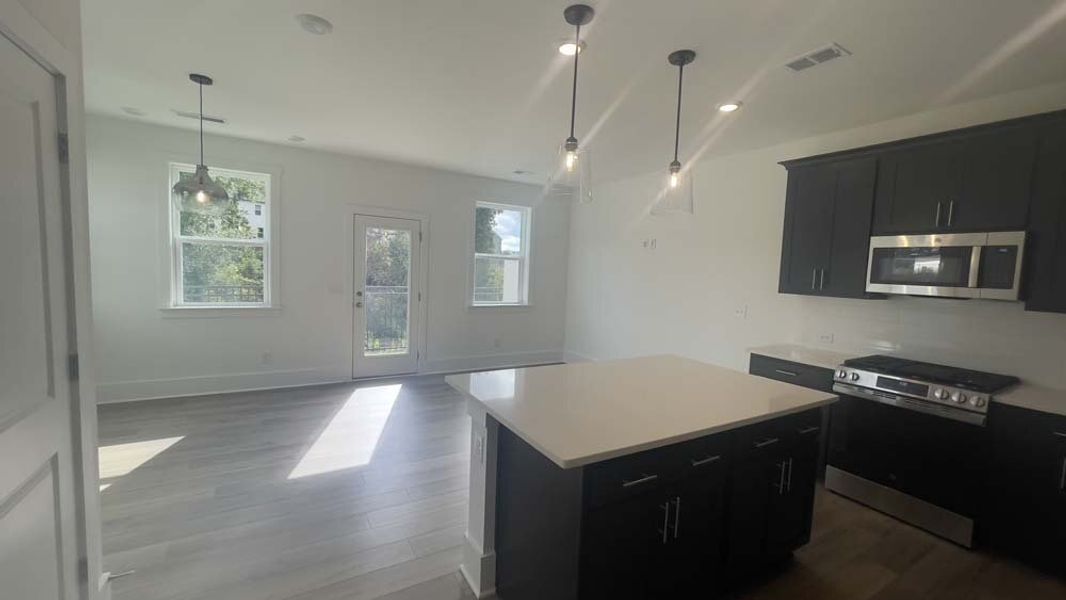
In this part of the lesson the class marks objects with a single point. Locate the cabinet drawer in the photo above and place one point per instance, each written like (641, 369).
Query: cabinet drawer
(816, 378)
(778, 435)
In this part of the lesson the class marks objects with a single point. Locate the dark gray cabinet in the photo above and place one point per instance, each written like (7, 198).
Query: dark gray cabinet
(677, 521)
(1045, 269)
(975, 180)
(827, 223)
(1026, 513)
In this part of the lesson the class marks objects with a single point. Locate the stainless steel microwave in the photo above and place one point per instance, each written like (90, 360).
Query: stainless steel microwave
(948, 265)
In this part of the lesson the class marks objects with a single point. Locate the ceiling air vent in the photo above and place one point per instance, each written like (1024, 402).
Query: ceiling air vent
(817, 57)
(196, 115)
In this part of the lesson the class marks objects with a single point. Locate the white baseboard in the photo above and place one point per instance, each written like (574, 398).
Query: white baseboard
(203, 385)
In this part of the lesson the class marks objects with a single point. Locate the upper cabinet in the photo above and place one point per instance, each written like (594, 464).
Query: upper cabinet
(1045, 269)
(978, 180)
(827, 224)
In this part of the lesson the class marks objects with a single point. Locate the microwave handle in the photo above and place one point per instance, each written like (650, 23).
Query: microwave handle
(975, 266)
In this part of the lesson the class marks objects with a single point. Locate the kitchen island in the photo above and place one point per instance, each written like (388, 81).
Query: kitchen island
(634, 478)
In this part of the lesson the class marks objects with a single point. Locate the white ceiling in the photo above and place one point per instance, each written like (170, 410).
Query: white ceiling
(478, 85)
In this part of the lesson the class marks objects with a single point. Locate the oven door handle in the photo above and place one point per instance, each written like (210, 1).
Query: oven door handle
(910, 404)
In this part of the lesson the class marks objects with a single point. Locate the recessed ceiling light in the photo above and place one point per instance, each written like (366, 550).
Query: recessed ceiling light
(297, 138)
(314, 24)
(567, 48)
(729, 107)
(136, 112)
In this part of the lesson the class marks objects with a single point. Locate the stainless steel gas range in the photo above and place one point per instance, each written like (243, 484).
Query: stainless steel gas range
(908, 438)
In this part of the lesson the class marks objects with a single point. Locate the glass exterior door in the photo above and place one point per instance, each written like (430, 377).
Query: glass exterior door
(386, 302)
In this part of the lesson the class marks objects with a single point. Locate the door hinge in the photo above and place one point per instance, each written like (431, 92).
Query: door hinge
(72, 367)
(63, 146)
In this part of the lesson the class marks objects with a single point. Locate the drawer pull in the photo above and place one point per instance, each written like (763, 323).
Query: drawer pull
(645, 479)
(811, 429)
(1059, 434)
(786, 373)
(766, 442)
(699, 462)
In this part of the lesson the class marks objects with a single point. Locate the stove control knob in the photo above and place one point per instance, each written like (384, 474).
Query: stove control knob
(978, 401)
(842, 374)
(959, 398)
(854, 376)
(940, 394)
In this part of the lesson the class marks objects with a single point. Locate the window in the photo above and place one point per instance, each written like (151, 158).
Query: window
(501, 254)
(221, 252)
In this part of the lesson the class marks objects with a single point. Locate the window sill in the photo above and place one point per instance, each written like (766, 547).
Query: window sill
(503, 307)
(216, 312)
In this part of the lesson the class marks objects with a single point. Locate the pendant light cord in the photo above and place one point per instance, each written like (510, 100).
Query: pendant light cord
(201, 123)
(677, 124)
(573, 94)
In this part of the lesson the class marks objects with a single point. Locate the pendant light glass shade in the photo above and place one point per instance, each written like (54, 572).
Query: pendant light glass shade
(200, 187)
(572, 175)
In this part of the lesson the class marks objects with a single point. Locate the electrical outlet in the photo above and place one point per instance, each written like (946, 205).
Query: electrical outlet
(741, 312)
(826, 338)
(266, 359)
(654, 242)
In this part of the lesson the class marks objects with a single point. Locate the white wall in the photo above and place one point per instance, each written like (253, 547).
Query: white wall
(144, 353)
(709, 289)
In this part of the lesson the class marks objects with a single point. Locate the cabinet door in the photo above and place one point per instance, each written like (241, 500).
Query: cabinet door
(997, 174)
(698, 526)
(808, 226)
(623, 545)
(1044, 275)
(755, 483)
(1026, 517)
(853, 200)
(791, 507)
(915, 186)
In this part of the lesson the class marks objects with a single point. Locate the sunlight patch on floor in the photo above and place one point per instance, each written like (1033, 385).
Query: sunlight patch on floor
(121, 459)
(350, 438)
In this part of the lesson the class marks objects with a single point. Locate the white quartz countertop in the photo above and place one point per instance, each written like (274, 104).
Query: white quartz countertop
(582, 413)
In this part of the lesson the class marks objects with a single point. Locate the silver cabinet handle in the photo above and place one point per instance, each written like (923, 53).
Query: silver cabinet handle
(814, 278)
(951, 212)
(766, 442)
(666, 521)
(644, 479)
(821, 279)
(677, 515)
(1062, 476)
(810, 429)
(699, 462)
(788, 484)
(781, 480)
(1058, 434)
(938, 204)
(786, 373)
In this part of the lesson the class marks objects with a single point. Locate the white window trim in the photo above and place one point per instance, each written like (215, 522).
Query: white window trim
(170, 284)
(526, 258)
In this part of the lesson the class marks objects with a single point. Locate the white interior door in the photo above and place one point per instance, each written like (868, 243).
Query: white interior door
(38, 521)
(387, 296)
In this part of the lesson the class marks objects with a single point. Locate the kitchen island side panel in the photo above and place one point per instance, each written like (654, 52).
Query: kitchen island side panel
(538, 523)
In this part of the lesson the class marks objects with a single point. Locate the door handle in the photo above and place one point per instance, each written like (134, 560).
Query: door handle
(938, 207)
(699, 462)
(766, 442)
(677, 515)
(951, 212)
(666, 521)
(644, 479)
(821, 280)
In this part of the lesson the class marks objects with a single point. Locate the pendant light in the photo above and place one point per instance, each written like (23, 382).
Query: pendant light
(573, 170)
(200, 186)
(677, 197)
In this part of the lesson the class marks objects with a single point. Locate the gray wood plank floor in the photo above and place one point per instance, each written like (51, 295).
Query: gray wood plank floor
(265, 496)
